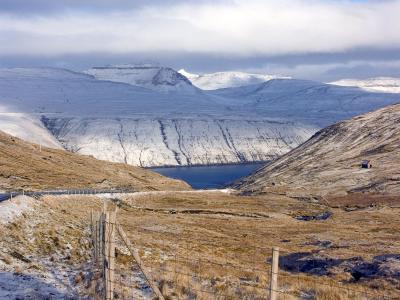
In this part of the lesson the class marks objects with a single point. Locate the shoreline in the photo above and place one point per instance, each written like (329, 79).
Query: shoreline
(209, 165)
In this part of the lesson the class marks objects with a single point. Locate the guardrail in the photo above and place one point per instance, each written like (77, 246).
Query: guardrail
(11, 194)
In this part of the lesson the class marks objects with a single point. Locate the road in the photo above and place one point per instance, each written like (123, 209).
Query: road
(8, 195)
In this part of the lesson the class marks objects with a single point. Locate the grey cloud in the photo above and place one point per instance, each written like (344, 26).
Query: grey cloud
(43, 7)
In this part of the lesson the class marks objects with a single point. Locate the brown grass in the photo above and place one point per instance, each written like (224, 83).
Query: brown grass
(26, 166)
(216, 246)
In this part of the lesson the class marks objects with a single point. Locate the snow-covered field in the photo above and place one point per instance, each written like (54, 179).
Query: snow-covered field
(25, 274)
(168, 121)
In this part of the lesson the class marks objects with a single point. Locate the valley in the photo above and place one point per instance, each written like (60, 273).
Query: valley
(336, 231)
(199, 150)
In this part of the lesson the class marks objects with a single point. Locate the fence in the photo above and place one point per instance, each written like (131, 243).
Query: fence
(9, 195)
(178, 270)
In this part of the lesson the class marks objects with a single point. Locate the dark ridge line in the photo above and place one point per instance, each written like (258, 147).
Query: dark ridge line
(180, 142)
(164, 137)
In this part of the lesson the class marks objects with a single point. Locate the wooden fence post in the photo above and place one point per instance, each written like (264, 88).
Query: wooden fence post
(273, 288)
(95, 219)
(100, 249)
(109, 250)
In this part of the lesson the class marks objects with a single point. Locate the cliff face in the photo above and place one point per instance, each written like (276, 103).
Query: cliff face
(328, 164)
(158, 142)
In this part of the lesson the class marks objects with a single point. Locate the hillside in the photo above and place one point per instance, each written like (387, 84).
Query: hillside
(28, 166)
(29, 128)
(122, 122)
(228, 79)
(329, 164)
(305, 100)
(379, 84)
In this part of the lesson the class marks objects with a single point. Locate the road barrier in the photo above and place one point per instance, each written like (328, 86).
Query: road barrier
(12, 194)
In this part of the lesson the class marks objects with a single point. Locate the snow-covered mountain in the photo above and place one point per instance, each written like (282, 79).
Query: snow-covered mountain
(219, 80)
(161, 79)
(380, 84)
(126, 123)
(304, 100)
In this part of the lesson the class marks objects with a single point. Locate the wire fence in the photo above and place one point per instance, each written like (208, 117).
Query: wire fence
(176, 267)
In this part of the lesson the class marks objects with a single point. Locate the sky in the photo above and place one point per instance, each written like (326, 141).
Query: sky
(312, 39)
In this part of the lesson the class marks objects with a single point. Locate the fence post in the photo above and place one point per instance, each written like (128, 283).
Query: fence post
(109, 250)
(95, 218)
(100, 250)
(273, 288)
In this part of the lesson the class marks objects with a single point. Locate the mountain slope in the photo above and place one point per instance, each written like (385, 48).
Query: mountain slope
(161, 79)
(219, 80)
(28, 128)
(328, 164)
(27, 166)
(306, 101)
(380, 84)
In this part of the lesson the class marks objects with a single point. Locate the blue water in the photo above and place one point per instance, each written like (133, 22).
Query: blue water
(209, 177)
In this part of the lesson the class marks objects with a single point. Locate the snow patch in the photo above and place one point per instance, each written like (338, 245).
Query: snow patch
(11, 209)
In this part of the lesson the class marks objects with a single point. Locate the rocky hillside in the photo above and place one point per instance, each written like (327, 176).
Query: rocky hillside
(329, 164)
(28, 166)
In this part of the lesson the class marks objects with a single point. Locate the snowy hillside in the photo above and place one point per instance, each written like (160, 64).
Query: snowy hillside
(304, 100)
(161, 79)
(28, 128)
(126, 123)
(380, 84)
(219, 80)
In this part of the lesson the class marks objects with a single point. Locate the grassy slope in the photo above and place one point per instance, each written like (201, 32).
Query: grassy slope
(25, 166)
(329, 163)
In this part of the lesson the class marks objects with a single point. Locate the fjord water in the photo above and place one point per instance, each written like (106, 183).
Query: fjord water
(209, 177)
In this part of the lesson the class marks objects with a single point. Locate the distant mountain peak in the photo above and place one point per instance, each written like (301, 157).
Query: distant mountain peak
(147, 75)
(168, 76)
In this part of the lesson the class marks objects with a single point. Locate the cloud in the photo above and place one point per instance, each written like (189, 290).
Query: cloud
(232, 28)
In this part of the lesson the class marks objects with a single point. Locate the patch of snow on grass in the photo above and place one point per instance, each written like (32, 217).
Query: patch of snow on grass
(11, 209)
